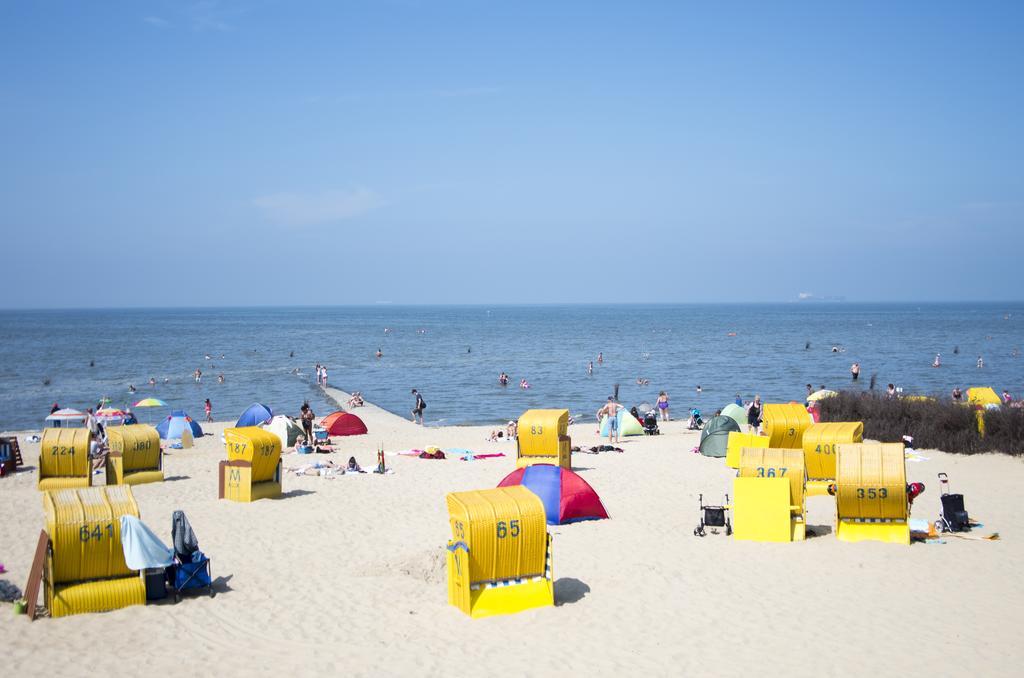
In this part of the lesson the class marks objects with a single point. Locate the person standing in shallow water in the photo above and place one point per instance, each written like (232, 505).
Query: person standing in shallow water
(663, 406)
(418, 407)
(855, 371)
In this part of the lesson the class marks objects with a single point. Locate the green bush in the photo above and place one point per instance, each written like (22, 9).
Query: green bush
(933, 424)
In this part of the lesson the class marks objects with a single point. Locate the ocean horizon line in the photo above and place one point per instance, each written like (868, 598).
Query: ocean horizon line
(525, 304)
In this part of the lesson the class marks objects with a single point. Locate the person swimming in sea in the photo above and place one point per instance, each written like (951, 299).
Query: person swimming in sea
(380, 353)
(523, 384)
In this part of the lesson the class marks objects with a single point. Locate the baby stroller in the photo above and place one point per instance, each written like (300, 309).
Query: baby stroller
(713, 516)
(695, 423)
(651, 424)
(191, 568)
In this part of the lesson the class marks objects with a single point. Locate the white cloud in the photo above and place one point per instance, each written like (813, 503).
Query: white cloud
(157, 21)
(300, 209)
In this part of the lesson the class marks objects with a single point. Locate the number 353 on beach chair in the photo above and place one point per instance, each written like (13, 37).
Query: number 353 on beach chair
(499, 557)
(871, 493)
(768, 495)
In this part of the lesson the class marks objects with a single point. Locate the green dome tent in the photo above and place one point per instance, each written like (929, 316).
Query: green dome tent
(714, 439)
(627, 423)
(736, 413)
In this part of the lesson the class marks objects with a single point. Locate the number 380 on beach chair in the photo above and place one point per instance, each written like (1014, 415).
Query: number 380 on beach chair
(768, 495)
(499, 557)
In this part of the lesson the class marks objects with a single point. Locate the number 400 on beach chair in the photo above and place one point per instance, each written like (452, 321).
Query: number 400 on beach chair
(499, 557)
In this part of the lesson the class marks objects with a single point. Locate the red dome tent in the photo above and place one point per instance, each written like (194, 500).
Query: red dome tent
(343, 424)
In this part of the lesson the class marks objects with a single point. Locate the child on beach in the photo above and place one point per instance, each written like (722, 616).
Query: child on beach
(209, 410)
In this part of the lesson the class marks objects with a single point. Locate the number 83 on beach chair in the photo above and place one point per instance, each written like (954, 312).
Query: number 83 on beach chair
(499, 557)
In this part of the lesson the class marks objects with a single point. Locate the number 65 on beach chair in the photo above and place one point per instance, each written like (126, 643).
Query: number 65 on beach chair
(542, 438)
(499, 557)
(768, 496)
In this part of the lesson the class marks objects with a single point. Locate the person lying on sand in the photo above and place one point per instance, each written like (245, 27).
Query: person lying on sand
(353, 466)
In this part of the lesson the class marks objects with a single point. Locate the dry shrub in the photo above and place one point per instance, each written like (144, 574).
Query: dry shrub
(933, 424)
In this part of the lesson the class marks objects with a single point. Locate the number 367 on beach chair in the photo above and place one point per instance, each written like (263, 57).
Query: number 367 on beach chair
(768, 495)
(499, 557)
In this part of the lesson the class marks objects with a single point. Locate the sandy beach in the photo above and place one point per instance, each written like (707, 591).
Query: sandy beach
(347, 575)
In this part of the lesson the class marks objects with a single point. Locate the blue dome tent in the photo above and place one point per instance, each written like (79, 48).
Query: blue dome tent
(255, 415)
(171, 427)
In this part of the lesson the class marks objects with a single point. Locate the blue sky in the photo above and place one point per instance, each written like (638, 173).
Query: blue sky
(222, 153)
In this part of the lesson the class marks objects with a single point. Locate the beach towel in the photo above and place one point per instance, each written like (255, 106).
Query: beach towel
(472, 457)
(185, 542)
(142, 549)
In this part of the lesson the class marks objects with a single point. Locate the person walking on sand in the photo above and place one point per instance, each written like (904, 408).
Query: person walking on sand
(611, 410)
(754, 415)
(307, 417)
(209, 410)
(855, 371)
(417, 409)
(663, 406)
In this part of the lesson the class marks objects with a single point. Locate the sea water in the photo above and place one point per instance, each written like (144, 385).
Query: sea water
(454, 354)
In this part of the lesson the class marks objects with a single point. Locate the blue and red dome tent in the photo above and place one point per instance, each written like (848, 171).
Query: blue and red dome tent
(567, 498)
